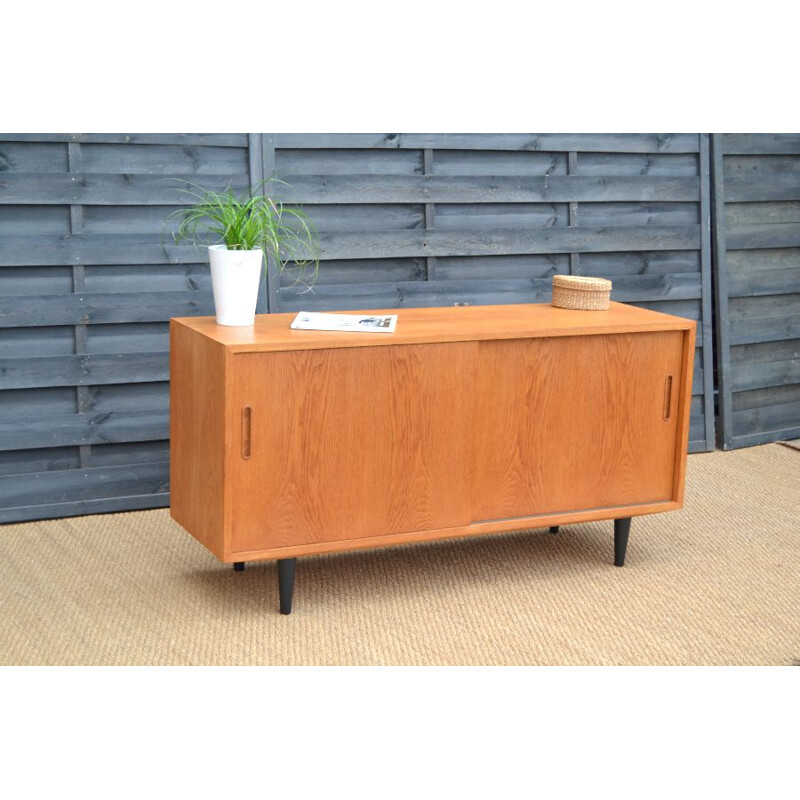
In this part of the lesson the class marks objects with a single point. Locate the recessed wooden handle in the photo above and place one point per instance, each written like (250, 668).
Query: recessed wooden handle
(668, 398)
(246, 414)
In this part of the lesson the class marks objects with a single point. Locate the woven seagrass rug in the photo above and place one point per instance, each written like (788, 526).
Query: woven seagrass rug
(715, 583)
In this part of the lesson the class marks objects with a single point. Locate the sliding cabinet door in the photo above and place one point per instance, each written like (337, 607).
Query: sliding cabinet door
(348, 443)
(578, 422)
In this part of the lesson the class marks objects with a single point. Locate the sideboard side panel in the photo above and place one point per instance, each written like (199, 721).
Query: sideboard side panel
(197, 446)
(684, 413)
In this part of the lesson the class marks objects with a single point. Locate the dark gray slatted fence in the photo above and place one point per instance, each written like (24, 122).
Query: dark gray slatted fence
(86, 291)
(88, 279)
(436, 219)
(757, 270)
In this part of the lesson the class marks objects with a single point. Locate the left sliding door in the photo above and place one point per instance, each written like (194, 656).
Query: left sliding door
(340, 444)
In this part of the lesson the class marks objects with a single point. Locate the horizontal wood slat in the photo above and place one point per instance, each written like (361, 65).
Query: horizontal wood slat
(742, 262)
(77, 429)
(756, 420)
(500, 242)
(142, 249)
(67, 492)
(612, 265)
(754, 188)
(135, 189)
(763, 329)
(115, 190)
(777, 434)
(134, 249)
(761, 353)
(79, 508)
(86, 309)
(23, 403)
(627, 289)
(588, 142)
(215, 139)
(48, 459)
(748, 237)
(769, 396)
(767, 374)
(767, 282)
(761, 143)
(476, 189)
(83, 370)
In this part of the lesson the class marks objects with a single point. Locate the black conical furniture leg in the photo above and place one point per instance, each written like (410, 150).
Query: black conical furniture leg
(622, 529)
(554, 529)
(238, 565)
(286, 583)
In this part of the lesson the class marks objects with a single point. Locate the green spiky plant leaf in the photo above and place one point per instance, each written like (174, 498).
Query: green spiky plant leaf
(251, 221)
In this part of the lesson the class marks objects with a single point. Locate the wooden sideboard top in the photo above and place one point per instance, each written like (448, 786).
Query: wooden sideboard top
(443, 324)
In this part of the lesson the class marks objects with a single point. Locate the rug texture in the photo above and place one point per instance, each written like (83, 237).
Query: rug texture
(715, 583)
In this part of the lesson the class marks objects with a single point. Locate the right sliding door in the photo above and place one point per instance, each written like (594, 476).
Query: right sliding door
(575, 422)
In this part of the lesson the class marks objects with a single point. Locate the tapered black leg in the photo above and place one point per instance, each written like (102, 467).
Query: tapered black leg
(622, 529)
(286, 583)
(238, 565)
(554, 529)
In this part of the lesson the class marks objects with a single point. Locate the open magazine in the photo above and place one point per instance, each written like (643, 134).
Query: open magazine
(364, 323)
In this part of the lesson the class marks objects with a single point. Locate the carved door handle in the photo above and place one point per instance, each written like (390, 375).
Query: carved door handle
(668, 398)
(246, 425)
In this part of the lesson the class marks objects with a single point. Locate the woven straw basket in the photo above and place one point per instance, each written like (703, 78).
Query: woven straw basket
(583, 294)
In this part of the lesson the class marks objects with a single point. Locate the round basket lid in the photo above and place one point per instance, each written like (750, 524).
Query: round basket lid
(582, 283)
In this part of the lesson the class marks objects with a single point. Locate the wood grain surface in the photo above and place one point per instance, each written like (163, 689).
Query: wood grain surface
(568, 423)
(424, 325)
(459, 531)
(682, 411)
(349, 443)
(200, 440)
(531, 142)
(474, 420)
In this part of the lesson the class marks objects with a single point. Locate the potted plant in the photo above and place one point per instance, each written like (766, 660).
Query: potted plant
(238, 230)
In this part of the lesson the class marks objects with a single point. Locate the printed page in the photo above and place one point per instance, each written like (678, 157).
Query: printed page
(357, 323)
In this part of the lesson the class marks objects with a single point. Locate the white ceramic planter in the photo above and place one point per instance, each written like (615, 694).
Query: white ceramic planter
(234, 278)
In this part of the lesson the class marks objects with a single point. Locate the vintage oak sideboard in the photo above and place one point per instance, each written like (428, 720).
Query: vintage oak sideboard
(465, 420)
